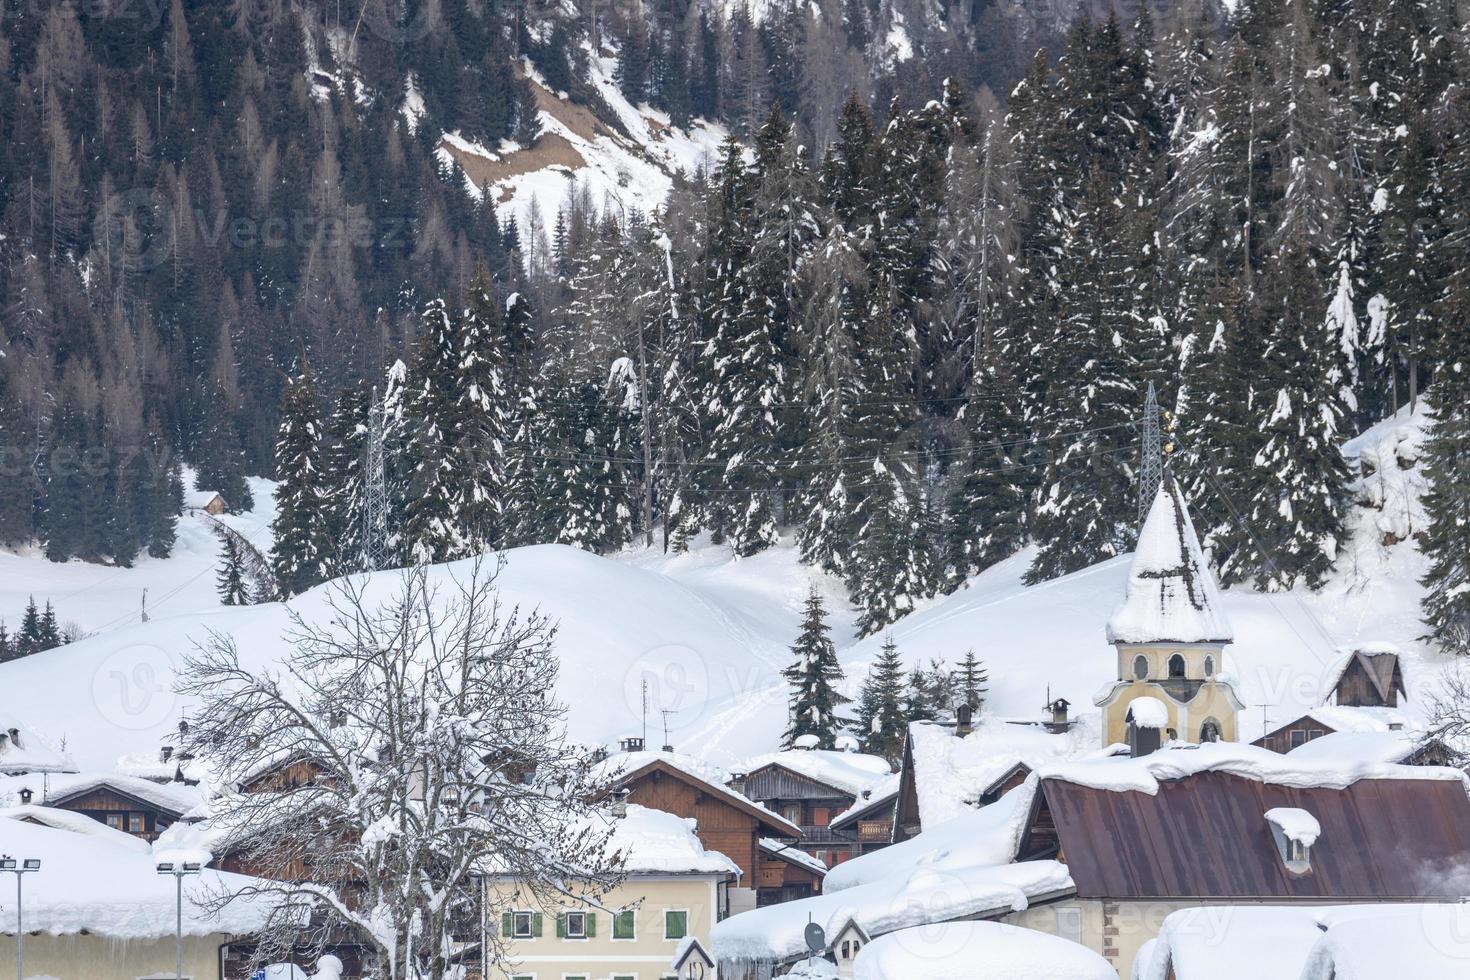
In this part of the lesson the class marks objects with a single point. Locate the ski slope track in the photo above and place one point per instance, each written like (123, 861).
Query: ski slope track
(709, 634)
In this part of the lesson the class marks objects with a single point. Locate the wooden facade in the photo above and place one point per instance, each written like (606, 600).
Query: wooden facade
(119, 810)
(784, 877)
(810, 804)
(870, 822)
(1289, 736)
(1370, 680)
(724, 822)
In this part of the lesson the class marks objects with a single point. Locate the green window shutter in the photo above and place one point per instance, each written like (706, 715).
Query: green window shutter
(676, 925)
(624, 926)
(591, 924)
(536, 925)
(561, 925)
(507, 925)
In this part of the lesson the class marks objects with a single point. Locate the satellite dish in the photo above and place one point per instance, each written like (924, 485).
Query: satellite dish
(816, 938)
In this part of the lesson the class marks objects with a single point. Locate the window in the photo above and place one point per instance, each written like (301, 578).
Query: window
(1298, 738)
(115, 821)
(575, 925)
(792, 812)
(1140, 667)
(1314, 733)
(625, 925)
(1176, 666)
(135, 823)
(676, 924)
(846, 950)
(1296, 852)
(523, 925)
(821, 816)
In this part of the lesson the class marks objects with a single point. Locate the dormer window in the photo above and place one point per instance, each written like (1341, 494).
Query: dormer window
(1176, 666)
(1294, 832)
(1140, 667)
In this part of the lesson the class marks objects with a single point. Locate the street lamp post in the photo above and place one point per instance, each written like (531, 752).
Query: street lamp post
(20, 869)
(180, 870)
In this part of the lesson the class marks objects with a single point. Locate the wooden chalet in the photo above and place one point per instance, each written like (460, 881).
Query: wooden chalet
(869, 821)
(133, 806)
(725, 821)
(787, 873)
(1370, 678)
(807, 802)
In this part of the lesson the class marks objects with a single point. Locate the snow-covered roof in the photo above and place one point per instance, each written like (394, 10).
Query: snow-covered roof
(1171, 595)
(951, 772)
(616, 768)
(106, 888)
(851, 772)
(76, 823)
(655, 842)
(978, 951)
(975, 838)
(1176, 761)
(1378, 660)
(1148, 712)
(795, 855)
(1427, 941)
(1280, 942)
(1381, 747)
(960, 870)
(22, 750)
(199, 499)
(1295, 824)
(1350, 718)
(176, 798)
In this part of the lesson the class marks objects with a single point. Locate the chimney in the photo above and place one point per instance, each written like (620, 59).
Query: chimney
(1058, 711)
(620, 801)
(25, 796)
(631, 744)
(668, 748)
(964, 717)
(737, 782)
(167, 753)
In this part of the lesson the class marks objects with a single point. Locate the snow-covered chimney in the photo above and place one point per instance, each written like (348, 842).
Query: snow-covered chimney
(632, 743)
(619, 806)
(964, 717)
(25, 796)
(737, 782)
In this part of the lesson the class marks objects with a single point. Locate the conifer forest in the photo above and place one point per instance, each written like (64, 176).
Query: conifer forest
(908, 316)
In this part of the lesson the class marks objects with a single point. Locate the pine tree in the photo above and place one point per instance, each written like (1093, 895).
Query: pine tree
(7, 651)
(231, 577)
(302, 555)
(971, 680)
(895, 565)
(483, 412)
(881, 725)
(29, 638)
(813, 678)
(50, 630)
(432, 527)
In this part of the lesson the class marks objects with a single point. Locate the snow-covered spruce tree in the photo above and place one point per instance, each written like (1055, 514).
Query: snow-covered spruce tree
(929, 693)
(482, 411)
(747, 376)
(1446, 541)
(344, 446)
(831, 386)
(1296, 501)
(230, 580)
(894, 565)
(813, 677)
(439, 750)
(881, 724)
(302, 554)
(432, 528)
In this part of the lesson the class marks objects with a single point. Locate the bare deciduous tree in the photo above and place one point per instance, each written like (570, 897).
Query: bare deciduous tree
(408, 746)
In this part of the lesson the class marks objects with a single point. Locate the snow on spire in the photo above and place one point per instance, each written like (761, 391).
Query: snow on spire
(1171, 595)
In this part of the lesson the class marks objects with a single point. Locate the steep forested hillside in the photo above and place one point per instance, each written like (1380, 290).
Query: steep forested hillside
(910, 320)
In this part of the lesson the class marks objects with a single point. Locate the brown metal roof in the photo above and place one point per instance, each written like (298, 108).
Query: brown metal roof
(1206, 836)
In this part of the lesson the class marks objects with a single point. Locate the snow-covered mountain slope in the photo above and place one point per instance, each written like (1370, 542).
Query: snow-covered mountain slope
(625, 173)
(96, 598)
(709, 634)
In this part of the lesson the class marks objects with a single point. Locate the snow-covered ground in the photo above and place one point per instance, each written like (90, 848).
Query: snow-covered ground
(709, 634)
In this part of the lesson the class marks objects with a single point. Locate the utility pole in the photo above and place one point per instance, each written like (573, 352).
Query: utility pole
(1151, 465)
(374, 493)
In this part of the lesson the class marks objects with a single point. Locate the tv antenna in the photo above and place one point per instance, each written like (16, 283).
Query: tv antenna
(666, 712)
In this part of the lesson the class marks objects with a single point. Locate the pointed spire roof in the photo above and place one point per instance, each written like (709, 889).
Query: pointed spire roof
(1172, 596)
